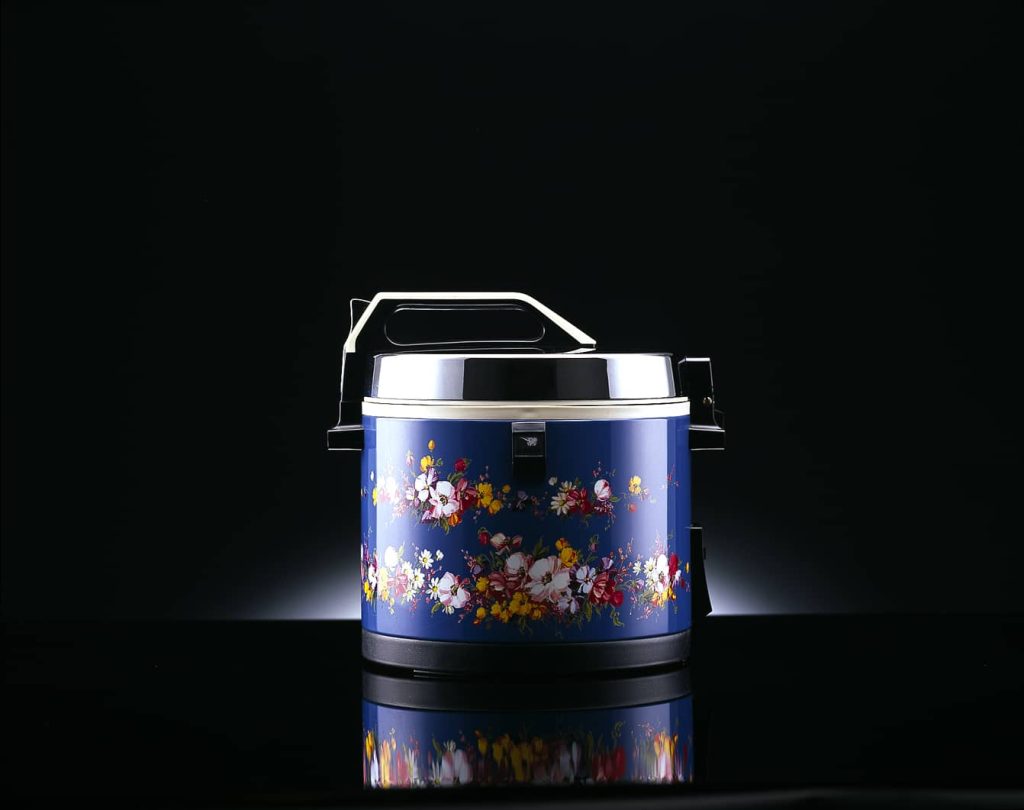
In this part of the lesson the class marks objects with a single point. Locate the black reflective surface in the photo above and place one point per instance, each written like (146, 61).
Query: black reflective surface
(849, 710)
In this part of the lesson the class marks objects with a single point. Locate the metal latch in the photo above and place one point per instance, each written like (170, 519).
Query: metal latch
(529, 450)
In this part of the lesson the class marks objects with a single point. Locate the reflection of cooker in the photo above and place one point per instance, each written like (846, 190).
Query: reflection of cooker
(423, 733)
(524, 503)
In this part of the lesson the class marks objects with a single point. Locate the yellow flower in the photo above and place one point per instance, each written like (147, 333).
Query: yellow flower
(517, 763)
(536, 614)
(368, 591)
(505, 616)
(560, 544)
(481, 613)
(481, 743)
(498, 749)
(426, 462)
(506, 489)
(431, 445)
(369, 744)
(495, 507)
(481, 584)
(484, 494)
(374, 496)
(496, 609)
(634, 485)
(687, 566)
(568, 556)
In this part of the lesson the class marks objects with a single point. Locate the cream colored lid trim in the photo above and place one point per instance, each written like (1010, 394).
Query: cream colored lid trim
(569, 409)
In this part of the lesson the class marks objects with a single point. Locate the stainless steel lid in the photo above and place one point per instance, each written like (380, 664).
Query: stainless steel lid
(522, 377)
(548, 370)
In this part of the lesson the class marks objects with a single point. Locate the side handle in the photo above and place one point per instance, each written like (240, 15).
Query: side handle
(707, 423)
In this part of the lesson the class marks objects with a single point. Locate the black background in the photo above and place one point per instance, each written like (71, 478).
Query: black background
(192, 193)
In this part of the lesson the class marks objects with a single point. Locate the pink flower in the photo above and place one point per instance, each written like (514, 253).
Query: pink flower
(548, 580)
(464, 493)
(602, 490)
(502, 543)
(497, 582)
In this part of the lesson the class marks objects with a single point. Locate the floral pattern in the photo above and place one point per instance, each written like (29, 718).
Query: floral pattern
(506, 584)
(646, 755)
(505, 580)
(444, 500)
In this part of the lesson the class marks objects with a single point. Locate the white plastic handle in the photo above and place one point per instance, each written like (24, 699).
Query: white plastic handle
(586, 342)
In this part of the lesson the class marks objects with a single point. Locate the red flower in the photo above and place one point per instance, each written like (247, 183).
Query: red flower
(673, 566)
(483, 536)
(579, 501)
(632, 507)
(618, 765)
(460, 465)
(602, 588)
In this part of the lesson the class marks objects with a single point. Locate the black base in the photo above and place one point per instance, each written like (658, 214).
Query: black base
(495, 693)
(582, 656)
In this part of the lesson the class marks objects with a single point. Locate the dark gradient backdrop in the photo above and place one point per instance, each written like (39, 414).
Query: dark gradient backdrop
(193, 192)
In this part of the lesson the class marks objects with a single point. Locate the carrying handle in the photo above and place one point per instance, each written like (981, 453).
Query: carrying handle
(368, 336)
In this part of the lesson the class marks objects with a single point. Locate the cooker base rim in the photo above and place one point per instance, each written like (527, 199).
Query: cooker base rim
(421, 655)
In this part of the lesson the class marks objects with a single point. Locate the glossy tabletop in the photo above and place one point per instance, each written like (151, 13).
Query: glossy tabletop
(851, 710)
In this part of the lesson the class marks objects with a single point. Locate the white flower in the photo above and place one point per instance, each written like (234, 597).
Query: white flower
(661, 573)
(568, 604)
(388, 488)
(439, 554)
(424, 481)
(407, 569)
(371, 475)
(443, 500)
(649, 566)
(548, 580)
(435, 588)
(553, 480)
(455, 768)
(560, 503)
(452, 593)
(602, 490)
(516, 565)
(637, 567)
(371, 575)
(426, 558)
(417, 580)
(390, 557)
(585, 577)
